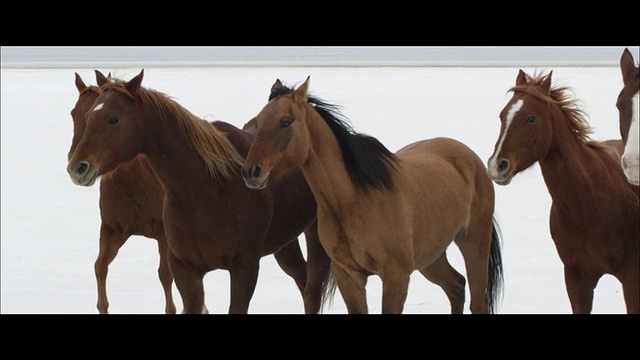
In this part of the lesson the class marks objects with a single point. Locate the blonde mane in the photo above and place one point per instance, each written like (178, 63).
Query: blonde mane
(212, 145)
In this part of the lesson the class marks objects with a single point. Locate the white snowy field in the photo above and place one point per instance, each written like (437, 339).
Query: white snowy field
(50, 226)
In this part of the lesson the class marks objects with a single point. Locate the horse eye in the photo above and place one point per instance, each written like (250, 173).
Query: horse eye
(113, 121)
(286, 122)
(531, 119)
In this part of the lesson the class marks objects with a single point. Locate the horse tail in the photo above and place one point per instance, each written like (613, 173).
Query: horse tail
(329, 286)
(496, 276)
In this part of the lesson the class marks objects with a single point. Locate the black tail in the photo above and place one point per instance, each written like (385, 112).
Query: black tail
(496, 277)
(328, 290)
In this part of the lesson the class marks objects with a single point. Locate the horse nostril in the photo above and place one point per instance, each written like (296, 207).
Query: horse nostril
(82, 167)
(503, 166)
(255, 171)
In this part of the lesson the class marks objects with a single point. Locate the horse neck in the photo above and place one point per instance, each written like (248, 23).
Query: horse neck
(572, 168)
(174, 159)
(324, 168)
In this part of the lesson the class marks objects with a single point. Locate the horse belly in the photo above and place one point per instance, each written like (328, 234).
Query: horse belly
(366, 242)
(202, 239)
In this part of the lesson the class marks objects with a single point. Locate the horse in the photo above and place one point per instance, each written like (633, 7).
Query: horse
(210, 219)
(627, 104)
(382, 213)
(594, 216)
(130, 204)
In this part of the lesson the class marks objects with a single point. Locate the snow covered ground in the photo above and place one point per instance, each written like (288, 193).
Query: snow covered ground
(50, 227)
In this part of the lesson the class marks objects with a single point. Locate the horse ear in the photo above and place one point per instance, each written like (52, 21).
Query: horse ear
(80, 84)
(133, 85)
(276, 85)
(627, 65)
(275, 89)
(546, 83)
(522, 78)
(303, 89)
(100, 78)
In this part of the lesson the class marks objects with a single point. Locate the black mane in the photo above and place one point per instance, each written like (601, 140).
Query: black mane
(366, 159)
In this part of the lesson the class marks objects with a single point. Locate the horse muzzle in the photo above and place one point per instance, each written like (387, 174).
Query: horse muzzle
(82, 173)
(500, 171)
(631, 167)
(254, 177)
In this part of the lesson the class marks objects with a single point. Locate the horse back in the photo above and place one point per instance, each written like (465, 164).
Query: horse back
(447, 157)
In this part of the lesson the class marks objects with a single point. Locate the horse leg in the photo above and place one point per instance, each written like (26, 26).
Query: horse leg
(629, 279)
(451, 281)
(292, 262)
(244, 277)
(580, 284)
(164, 273)
(352, 288)
(395, 286)
(317, 291)
(474, 244)
(189, 283)
(110, 242)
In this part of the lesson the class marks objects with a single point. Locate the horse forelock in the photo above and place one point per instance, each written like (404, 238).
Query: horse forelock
(562, 97)
(115, 85)
(93, 89)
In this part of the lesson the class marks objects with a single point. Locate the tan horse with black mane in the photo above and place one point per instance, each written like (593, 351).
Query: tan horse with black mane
(212, 221)
(594, 220)
(381, 213)
(629, 110)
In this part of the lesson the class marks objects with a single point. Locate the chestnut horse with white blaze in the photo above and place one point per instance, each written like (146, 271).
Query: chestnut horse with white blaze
(594, 218)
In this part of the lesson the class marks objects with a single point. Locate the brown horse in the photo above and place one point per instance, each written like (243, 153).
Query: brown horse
(211, 220)
(629, 117)
(381, 213)
(594, 213)
(130, 204)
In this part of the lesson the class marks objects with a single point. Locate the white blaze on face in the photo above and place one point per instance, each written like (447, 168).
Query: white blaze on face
(98, 107)
(631, 156)
(493, 161)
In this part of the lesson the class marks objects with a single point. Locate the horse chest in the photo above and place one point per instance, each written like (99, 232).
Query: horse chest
(604, 246)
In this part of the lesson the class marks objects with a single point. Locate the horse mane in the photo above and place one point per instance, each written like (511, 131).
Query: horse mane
(559, 95)
(366, 159)
(212, 145)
